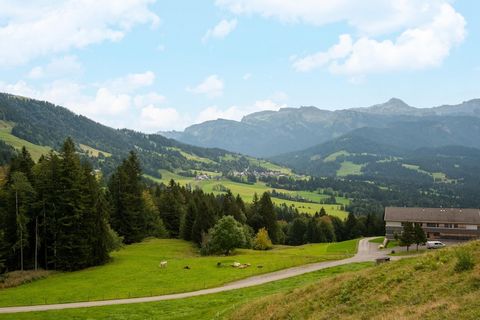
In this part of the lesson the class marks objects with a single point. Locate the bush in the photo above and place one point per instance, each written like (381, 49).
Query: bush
(262, 240)
(465, 261)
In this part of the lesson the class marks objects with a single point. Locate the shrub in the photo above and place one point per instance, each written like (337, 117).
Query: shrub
(262, 240)
(465, 261)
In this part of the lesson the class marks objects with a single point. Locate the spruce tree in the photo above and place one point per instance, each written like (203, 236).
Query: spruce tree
(204, 220)
(266, 210)
(188, 221)
(126, 188)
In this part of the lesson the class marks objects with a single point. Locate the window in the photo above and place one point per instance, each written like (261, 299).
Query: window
(432, 225)
(448, 225)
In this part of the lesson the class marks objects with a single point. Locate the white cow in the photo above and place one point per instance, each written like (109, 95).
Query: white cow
(163, 264)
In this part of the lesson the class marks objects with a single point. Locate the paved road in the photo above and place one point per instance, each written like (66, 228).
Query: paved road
(366, 252)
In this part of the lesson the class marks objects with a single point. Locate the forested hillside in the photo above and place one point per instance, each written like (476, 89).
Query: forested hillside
(42, 125)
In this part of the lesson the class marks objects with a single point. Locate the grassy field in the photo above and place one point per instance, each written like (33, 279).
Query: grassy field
(425, 287)
(332, 157)
(390, 244)
(349, 168)
(437, 176)
(134, 271)
(215, 306)
(246, 191)
(7, 136)
(94, 152)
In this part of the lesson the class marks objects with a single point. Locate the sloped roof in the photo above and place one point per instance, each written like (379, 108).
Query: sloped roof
(437, 215)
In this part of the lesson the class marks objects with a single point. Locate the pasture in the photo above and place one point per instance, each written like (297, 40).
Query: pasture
(246, 191)
(214, 306)
(134, 271)
(6, 136)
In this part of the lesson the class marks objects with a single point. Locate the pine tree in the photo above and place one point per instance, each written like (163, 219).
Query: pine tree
(188, 221)
(351, 227)
(419, 236)
(126, 189)
(72, 248)
(204, 220)
(266, 210)
(21, 195)
(407, 237)
(312, 235)
(296, 232)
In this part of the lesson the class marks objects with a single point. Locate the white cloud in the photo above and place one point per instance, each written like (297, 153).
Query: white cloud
(212, 86)
(153, 119)
(32, 29)
(57, 68)
(237, 112)
(114, 102)
(221, 30)
(131, 82)
(151, 98)
(338, 51)
(415, 34)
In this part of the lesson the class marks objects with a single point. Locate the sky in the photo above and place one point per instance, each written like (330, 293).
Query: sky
(164, 65)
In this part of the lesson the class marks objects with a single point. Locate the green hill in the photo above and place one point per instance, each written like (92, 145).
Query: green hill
(428, 287)
(41, 126)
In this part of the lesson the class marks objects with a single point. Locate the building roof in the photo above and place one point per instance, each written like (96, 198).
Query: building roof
(436, 215)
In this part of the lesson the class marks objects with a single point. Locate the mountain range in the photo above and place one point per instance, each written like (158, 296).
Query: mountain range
(271, 133)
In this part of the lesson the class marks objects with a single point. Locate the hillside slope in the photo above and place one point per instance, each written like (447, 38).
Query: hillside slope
(42, 126)
(374, 154)
(427, 287)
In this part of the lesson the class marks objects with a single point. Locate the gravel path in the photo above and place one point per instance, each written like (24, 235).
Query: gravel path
(366, 252)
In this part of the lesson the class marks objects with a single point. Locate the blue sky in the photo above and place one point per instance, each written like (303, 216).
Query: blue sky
(162, 65)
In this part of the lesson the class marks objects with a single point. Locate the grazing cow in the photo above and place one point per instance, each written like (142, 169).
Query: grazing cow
(186, 267)
(163, 264)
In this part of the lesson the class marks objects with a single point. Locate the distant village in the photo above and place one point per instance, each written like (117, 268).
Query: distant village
(242, 174)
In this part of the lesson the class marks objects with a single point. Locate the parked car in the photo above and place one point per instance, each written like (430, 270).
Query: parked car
(435, 244)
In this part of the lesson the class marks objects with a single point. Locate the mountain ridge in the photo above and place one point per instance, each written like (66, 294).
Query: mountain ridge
(270, 133)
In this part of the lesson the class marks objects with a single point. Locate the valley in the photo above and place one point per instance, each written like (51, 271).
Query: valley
(239, 159)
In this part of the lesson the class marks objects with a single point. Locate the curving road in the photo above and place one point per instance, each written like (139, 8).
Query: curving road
(366, 252)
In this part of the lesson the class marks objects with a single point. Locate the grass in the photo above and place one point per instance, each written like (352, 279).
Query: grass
(94, 152)
(191, 156)
(134, 271)
(390, 244)
(246, 191)
(411, 252)
(349, 168)
(425, 287)
(436, 176)
(6, 136)
(214, 306)
(333, 157)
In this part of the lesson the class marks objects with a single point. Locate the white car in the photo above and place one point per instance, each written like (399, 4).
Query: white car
(435, 244)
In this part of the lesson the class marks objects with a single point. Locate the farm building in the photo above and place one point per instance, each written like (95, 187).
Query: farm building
(438, 223)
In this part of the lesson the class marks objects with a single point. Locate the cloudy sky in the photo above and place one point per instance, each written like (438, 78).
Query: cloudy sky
(161, 65)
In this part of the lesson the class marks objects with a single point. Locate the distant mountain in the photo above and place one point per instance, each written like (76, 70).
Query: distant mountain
(42, 126)
(270, 133)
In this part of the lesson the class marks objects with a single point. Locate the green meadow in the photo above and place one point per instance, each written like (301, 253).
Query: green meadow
(246, 191)
(134, 271)
(6, 136)
(213, 306)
